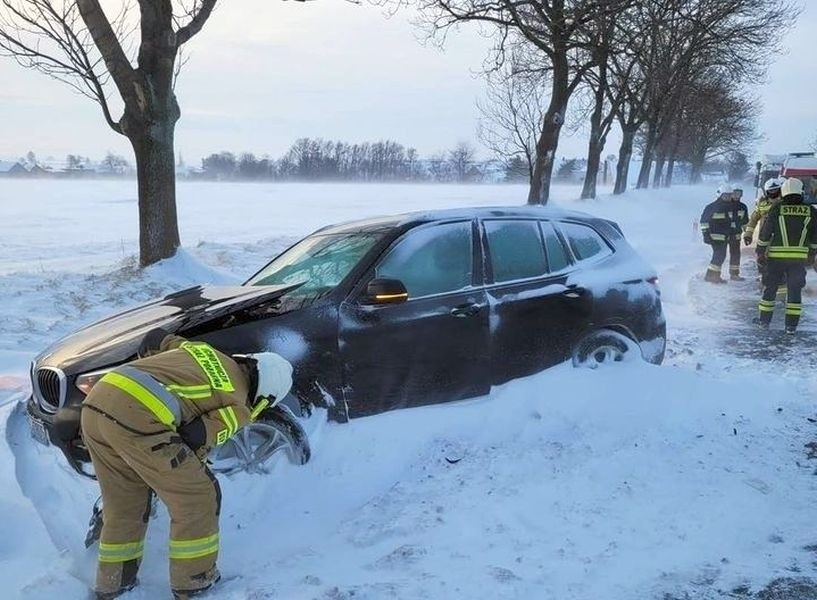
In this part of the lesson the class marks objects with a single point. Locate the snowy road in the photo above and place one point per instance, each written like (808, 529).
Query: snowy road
(683, 481)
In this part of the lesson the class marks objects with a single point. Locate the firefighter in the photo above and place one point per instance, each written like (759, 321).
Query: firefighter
(147, 426)
(771, 195)
(719, 224)
(786, 244)
(739, 220)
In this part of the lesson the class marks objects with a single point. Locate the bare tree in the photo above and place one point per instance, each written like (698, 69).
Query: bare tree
(555, 32)
(461, 159)
(606, 37)
(511, 115)
(690, 38)
(75, 41)
(721, 120)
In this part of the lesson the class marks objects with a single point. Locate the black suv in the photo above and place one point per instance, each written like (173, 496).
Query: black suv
(388, 313)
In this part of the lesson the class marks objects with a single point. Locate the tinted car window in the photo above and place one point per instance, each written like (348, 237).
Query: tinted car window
(556, 253)
(431, 260)
(584, 241)
(516, 249)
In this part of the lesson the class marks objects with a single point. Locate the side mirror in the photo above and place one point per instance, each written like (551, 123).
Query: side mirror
(386, 291)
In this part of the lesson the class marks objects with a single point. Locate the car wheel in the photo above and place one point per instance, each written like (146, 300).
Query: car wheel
(602, 348)
(259, 446)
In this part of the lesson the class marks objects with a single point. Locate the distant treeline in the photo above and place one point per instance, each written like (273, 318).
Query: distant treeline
(316, 159)
(308, 159)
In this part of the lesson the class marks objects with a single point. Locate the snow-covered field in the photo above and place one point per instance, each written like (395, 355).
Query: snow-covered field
(688, 480)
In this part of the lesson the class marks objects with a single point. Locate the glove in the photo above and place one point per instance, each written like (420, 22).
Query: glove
(193, 434)
(747, 239)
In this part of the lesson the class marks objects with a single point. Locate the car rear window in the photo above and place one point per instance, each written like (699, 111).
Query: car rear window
(432, 260)
(556, 253)
(516, 250)
(585, 242)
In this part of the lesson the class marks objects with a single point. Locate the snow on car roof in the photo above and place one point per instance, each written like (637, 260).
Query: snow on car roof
(380, 223)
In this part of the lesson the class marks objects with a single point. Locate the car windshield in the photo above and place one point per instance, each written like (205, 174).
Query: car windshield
(318, 263)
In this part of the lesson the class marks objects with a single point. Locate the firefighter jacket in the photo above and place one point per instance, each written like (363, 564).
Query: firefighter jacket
(723, 219)
(790, 231)
(758, 216)
(183, 382)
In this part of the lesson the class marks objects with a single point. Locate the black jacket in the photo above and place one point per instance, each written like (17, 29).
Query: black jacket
(722, 220)
(790, 231)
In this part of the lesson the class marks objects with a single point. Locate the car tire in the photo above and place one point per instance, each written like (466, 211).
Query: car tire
(602, 348)
(257, 447)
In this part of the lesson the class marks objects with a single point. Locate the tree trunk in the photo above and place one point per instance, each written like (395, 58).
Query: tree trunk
(659, 171)
(696, 170)
(156, 177)
(548, 141)
(594, 150)
(625, 153)
(670, 171)
(646, 164)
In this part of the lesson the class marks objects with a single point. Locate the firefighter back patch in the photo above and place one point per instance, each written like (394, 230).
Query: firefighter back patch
(209, 362)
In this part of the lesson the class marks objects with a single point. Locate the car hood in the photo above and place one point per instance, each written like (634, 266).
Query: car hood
(115, 339)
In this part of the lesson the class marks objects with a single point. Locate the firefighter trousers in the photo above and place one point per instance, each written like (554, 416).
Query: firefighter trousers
(793, 273)
(132, 460)
(734, 255)
(719, 250)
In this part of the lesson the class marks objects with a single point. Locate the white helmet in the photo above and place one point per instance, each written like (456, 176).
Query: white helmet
(772, 184)
(274, 375)
(791, 186)
(722, 191)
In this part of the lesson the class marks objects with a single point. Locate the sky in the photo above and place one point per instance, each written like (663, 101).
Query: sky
(339, 70)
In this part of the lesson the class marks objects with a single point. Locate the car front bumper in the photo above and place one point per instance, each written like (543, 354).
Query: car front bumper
(60, 429)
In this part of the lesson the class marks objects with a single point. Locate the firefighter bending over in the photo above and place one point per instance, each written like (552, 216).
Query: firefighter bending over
(786, 245)
(147, 426)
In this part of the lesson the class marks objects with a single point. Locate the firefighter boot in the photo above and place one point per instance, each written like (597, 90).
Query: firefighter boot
(734, 274)
(713, 276)
(793, 312)
(214, 577)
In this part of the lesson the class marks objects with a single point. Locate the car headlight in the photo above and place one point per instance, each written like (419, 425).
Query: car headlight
(86, 381)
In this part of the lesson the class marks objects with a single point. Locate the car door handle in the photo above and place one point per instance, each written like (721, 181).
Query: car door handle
(465, 310)
(574, 292)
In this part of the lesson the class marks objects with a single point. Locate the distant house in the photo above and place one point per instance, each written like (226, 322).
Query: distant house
(12, 169)
(38, 171)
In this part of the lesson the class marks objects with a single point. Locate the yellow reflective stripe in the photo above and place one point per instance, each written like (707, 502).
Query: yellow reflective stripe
(704, 225)
(718, 215)
(763, 242)
(208, 360)
(195, 548)
(718, 236)
(143, 395)
(192, 392)
(805, 231)
(113, 553)
(189, 388)
(783, 231)
(230, 420)
(792, 253)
